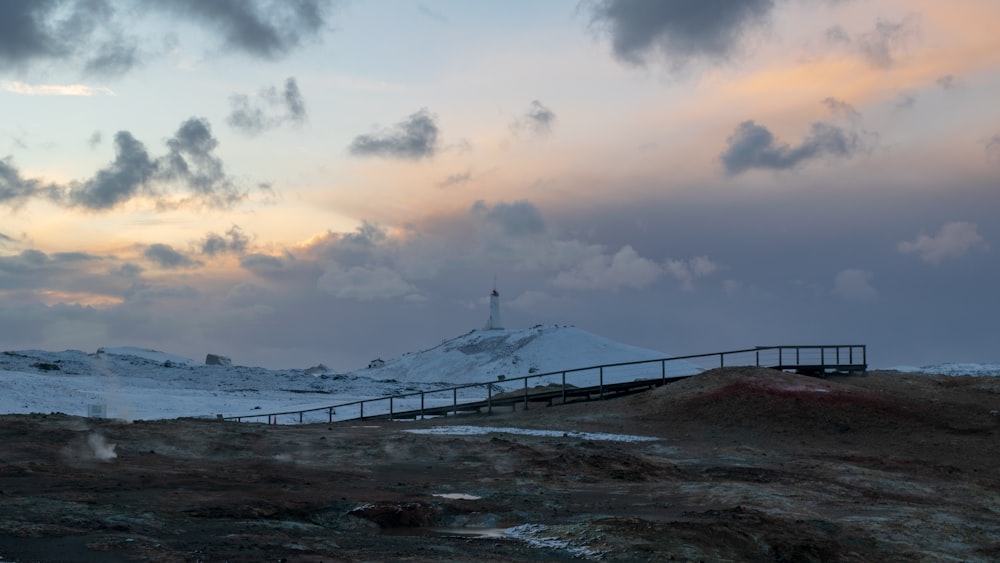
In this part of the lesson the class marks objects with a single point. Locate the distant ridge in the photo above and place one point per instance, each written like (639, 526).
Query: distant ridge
(484, 355)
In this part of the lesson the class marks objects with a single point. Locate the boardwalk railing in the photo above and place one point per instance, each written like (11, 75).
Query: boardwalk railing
(586, 382)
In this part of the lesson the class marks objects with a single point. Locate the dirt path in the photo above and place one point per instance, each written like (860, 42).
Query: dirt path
(746, 465)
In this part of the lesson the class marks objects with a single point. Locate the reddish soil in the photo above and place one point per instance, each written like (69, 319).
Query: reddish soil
(749, 465)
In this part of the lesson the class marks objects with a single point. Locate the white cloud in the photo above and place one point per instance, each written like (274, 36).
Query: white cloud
(732, 287)
(687, 272)
(602, 271)
(853, 284)
(952, 241)
(364, 283)
(529, 300)
(55, 89)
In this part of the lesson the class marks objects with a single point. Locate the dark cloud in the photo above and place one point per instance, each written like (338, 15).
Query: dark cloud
(679, 30)
(841, 108)
(5, 238)
(456, 179)
(517, 218)
(268, 109)
(263, 28)
(27, 30)
(95, 140)
(166, 257)
(128, 270)
(142, 292)
(880, 47)
(368, 234)
(129, 175)
(90, 34)
(85, 32)
(262, 264)
(753, 146)
(946, 82)
(413, 138)
(74, 257)
(234, 242)
(293, 100)
(538, 119)
(23, 262)
(905, 101)
(15, 190)
(34, 270)
(191, 158)
(114, 58)
(837, 35)
(192, 161)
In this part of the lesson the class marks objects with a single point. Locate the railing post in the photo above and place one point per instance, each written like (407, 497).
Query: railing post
(850, 354)
(564, 387)
(300, 417)
(525, 393)
(756, 356)
(822, 356)
(454, 400)
(330, 413)
(421, 405)
(663, 372)
(600, 373)
(362, 416)
(489, 399)
(838, 355)
(390, 409)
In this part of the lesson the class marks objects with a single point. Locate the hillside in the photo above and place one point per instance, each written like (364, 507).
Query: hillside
(484, 355)
(135, 383)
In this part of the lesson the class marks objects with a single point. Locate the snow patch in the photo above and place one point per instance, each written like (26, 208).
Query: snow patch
(461, 430)
(539, 536)
(953, 368)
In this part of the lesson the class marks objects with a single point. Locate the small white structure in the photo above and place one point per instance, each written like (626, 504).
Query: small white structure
(376, 363)
(494, 321)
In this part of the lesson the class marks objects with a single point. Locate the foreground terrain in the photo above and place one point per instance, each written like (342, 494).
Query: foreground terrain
(743, 464)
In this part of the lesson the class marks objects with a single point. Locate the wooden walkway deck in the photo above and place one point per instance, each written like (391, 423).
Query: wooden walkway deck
(813, 360)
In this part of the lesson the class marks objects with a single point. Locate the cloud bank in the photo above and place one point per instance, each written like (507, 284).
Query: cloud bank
(678, 30)
(954, 240)
(754, 147)
(413, 138)
(189, 164)
(268, 109)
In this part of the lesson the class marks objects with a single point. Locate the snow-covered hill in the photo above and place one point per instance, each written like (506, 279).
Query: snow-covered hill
(954, 368)
(135, 383)
(484, 355)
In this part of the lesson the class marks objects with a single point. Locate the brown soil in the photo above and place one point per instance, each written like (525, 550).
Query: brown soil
(749, 465)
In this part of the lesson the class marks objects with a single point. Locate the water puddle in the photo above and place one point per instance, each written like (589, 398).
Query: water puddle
(461, 430)
(457, 496)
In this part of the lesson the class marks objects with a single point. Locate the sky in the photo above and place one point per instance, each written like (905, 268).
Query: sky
(295, 182)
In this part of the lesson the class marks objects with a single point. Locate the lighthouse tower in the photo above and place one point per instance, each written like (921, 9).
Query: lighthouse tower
(494, 322)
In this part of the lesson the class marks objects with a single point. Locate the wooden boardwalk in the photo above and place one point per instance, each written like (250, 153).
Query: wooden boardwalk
(813, 360)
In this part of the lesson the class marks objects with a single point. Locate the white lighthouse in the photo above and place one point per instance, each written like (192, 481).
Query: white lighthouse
(494, 322)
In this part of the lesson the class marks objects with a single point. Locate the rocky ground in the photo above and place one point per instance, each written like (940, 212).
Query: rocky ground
(746, 465)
